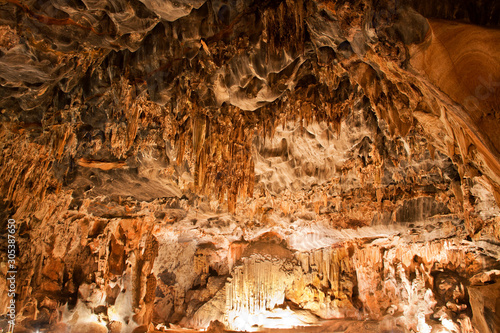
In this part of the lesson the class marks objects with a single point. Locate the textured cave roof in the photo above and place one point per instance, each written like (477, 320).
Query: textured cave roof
(95, 65)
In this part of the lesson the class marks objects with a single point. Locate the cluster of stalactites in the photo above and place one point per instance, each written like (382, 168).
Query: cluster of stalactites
(218, 143)
(284, 26)
(258, 285)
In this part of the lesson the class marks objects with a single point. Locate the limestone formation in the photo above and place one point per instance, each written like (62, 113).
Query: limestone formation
(251, 165)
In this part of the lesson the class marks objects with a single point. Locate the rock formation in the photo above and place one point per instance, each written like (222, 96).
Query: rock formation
(249, 164)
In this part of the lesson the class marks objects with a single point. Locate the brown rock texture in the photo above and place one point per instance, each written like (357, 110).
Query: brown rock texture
(307, 166)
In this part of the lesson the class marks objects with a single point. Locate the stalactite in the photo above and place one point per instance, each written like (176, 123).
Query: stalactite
(257, 286)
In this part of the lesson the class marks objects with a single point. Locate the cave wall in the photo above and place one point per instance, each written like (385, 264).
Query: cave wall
(152, 152)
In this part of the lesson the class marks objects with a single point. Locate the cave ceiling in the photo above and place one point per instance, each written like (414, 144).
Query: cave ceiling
(246, 165)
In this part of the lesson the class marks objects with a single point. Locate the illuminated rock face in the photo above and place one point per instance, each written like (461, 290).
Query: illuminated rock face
(391, 280)
(249, 164)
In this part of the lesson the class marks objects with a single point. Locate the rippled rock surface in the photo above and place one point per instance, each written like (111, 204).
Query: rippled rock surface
(245, 165)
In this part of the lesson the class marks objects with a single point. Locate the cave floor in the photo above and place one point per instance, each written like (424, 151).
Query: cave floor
(327, 326)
